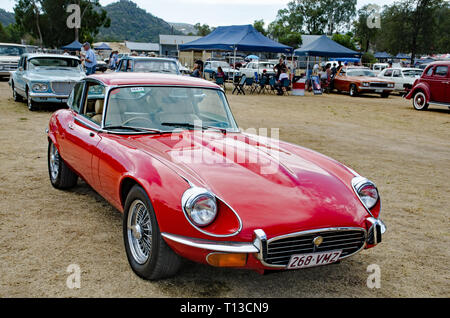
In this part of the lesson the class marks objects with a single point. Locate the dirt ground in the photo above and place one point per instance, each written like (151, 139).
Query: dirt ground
(405, 152)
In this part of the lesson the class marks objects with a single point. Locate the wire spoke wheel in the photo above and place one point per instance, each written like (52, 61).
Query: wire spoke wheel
(139, 232)
(54, 162)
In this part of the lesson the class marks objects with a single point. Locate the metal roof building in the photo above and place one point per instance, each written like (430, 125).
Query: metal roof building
(169, 43)
(142, 47)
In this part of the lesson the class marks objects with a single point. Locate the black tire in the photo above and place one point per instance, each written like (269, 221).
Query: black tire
(353, 90)
(420, 101)
(32, 106)
(16, 97)
(61, 176)
(161, 261)
(384, 95)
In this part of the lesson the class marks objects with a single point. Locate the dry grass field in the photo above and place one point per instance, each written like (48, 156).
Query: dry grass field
(405, 152)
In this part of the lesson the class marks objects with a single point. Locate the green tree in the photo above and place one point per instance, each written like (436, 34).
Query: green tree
(47, 20)
(345, 40)
(259, 26)
(203, 30)
(287, 27)
(365, 35)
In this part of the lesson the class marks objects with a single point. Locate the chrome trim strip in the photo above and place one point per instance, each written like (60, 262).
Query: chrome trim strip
(330, 229)
(226, 247)
(47, 95)
(357, 182)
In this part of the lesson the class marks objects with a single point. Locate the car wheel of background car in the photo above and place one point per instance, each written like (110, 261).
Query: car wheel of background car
(31, 105)
(16, 97)
(61, 177)
(420, 101)
(147, 252)
(385, 95)
(353, 90)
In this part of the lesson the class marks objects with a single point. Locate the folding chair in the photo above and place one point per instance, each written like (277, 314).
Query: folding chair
(249, 84)
(262, 84)
(221, 82)
(239, 86)
(286, 84)
(272, 85)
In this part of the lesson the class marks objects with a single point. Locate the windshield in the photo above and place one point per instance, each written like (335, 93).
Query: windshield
(168, 108)
(53, 62)
(412, 73)
(11, 50)
(155, 66)
(360, 73)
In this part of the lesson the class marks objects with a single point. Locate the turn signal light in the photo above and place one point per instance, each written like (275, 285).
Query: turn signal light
(227, 260)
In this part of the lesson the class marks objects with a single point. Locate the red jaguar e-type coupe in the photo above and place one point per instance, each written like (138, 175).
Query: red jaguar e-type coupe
(166, 151)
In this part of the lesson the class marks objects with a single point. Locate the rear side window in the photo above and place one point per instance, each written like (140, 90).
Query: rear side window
(441, 70)
(430, 71)
(388, 73)
(74, 100)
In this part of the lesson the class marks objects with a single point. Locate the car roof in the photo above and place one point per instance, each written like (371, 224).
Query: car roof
(13, 44)
(33, 55)
(440, 63)
(135, 78)
(130, 57)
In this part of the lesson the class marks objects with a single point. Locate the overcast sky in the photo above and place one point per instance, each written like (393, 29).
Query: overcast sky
(211, 12)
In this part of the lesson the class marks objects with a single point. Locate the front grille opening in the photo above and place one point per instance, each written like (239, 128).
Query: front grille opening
(279, 251)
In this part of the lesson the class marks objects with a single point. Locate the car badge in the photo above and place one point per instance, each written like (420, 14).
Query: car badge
(318, 240)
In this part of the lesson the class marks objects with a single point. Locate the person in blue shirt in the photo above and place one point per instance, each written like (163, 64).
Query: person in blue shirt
(90, 61)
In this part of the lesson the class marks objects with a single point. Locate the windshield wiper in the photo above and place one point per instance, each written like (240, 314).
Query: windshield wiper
(189, 125)
(138, 129)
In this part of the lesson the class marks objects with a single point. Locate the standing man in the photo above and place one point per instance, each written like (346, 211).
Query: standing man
(90, 61)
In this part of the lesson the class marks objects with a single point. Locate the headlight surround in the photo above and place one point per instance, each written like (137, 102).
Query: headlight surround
(365, 84)
(200, 206)
(40, 87)
(366, 191)
(390, 85)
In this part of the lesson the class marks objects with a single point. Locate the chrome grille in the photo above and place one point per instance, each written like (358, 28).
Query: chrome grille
(8, 67)
(62, 88)
(376, 84)
(280, 250)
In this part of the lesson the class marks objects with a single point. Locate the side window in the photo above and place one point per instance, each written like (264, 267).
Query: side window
(388, 73)
(123, 66)
(441, 70)
(430, 71)
(94, 101)
(396, 73)
(74, 100)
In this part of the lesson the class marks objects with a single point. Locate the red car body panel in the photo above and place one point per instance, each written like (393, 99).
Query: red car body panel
(435, 87)
(306, 191)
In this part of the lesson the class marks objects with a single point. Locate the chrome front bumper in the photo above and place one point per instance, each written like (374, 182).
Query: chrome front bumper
(259, 245)
(48, 95)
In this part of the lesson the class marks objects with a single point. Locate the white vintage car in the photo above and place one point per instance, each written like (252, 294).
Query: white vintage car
(9, 57)
(45, 78)
(402, 77)
(252, 68)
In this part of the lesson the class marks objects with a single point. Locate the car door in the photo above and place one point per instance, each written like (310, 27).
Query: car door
(439, 83)
(82, 133)
(397, 78)
(19, 81)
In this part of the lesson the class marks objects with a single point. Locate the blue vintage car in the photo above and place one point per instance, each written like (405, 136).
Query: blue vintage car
(45, 78)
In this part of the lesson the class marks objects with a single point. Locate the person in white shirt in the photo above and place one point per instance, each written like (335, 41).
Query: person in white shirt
(279, 84)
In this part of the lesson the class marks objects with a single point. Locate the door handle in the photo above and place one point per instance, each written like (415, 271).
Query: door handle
(71, 126)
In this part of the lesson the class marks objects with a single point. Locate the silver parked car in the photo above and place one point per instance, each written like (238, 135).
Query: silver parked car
(45, 78)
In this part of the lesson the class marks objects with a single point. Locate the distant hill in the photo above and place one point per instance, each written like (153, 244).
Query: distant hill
(131, 23)
(186, 28)
(6, 17)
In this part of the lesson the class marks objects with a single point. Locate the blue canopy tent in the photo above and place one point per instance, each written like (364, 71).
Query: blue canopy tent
(324, 46)
(103, 46)
(74, 46)
(402, 56)
(236, 38)
(382, 55)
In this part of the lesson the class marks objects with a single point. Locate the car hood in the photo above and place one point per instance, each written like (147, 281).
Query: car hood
(281, 188)
(59, 74)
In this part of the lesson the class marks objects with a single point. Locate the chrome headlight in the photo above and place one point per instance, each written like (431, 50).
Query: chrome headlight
(366, 191)
(199, 206)
(366, 84)
(390, 85)
(40, 87)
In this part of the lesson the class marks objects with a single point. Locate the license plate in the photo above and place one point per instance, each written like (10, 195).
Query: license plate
(378, 91)
(313, 259)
